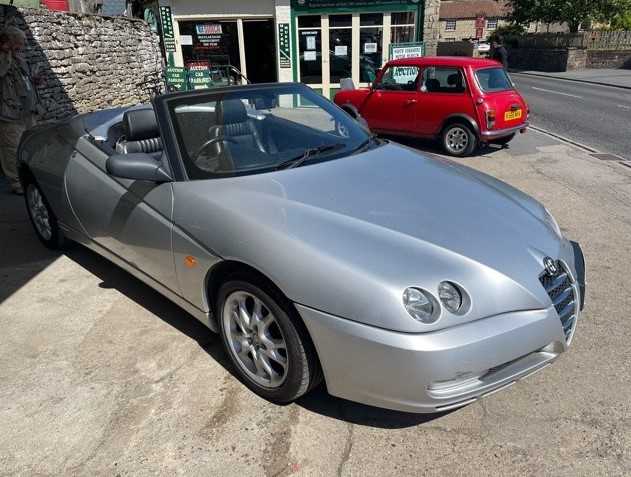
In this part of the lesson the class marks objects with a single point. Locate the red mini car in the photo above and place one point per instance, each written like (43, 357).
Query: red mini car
(462, 101)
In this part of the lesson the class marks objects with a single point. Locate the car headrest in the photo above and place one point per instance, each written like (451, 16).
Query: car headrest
(454, 79)
(432, 84)
(140, 124)
(232, 111)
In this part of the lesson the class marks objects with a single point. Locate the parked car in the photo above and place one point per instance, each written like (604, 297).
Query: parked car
(464, 102)
(313, 248)
(483, 47)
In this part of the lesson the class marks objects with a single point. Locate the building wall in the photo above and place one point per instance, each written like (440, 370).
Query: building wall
(465, 28)
(431, 26)
(225, 9)
(87, 62)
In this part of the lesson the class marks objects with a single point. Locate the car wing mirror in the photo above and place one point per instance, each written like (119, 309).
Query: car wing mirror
(137, 166)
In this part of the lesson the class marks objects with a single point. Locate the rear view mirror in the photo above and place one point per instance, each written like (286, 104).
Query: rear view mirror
(137, 166)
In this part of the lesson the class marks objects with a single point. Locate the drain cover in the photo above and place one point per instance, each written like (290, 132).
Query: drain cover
(608, 157)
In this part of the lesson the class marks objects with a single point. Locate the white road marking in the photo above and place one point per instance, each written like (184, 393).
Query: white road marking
(622, 106)
(557, 92)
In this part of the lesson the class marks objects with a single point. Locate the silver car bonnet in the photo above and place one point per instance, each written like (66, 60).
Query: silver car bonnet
(347, 236)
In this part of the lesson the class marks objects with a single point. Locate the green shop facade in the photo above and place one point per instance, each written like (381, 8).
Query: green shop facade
(317, 42)
(335, 39)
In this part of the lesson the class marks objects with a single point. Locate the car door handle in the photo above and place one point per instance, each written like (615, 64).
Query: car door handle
(410, 101)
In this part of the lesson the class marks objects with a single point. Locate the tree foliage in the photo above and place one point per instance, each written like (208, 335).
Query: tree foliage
(573, 12)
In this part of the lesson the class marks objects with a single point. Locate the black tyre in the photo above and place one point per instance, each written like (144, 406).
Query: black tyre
(458, 140)
(42, 217)
(503, 140)
(266, 342)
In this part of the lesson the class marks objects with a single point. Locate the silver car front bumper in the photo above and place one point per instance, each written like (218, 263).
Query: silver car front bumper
(432, 372)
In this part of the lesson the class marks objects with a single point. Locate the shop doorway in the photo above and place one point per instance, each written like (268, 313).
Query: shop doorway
(260, 50)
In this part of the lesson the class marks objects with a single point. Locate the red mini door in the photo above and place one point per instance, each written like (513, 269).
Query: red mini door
(391, 105)
(443, 93)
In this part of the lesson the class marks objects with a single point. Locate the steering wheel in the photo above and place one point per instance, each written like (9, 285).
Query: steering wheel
(209, 143)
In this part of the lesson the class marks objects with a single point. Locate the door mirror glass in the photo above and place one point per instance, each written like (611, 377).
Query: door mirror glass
(137, 166)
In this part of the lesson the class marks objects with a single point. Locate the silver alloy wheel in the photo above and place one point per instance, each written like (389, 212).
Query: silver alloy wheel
(457, 140)
(255, 339)
(39, 212)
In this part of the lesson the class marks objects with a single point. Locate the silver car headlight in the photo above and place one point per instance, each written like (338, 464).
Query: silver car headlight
(551, 221)
(450, 296)
(421, 305)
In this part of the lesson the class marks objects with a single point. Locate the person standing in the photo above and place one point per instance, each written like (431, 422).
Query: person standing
(18, 101)
(498, 52)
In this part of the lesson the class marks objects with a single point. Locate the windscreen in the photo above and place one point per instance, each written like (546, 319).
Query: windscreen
(493, 79)
(252, 130)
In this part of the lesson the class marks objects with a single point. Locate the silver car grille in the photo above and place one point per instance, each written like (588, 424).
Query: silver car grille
(562, 292)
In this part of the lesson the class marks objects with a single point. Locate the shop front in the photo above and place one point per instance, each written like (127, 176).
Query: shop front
(335, 39)
(237, 33)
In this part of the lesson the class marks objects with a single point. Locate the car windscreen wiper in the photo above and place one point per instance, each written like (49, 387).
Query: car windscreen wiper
(309, 154)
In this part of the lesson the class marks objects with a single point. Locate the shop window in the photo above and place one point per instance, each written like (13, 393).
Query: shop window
(340, 47)
(309, 21)
(491, 23)
(340, 21)
(402, 18)
(403, 27)
(450, 25)
(443, 80)
(370, 46)
(213, 44)
(310, 49)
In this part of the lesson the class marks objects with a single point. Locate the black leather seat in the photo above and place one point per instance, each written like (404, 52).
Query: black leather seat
(234, 124)
(141, 133)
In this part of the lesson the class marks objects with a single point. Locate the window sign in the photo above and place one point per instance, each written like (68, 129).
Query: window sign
(310, 56)
(404, 74)
(311, 43)
(370, 48)
(341, 50)
(406, 50)
(186, 40)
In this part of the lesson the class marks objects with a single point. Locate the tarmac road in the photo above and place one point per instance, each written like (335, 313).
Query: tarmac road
(100, 375)
(594, 115)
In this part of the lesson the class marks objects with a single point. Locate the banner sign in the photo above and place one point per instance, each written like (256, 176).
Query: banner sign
(406, 50)
(168, 37)
(284, 50)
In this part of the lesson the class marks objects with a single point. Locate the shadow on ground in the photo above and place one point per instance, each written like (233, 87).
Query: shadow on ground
(318, 401)
(433, 147)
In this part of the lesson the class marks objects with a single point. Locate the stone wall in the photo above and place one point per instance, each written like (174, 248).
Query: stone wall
(547, 59)
(87, 62)
(609, 59)
(431, 26)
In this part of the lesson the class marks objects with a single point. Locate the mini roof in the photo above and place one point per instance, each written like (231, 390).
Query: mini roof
(445, 61)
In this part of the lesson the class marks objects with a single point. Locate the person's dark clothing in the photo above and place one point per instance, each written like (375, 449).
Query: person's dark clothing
(500, 54)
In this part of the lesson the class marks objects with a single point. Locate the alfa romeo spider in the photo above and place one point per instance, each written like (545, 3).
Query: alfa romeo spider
(317, 251)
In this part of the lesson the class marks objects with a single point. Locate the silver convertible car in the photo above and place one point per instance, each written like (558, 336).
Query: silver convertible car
(316, 250)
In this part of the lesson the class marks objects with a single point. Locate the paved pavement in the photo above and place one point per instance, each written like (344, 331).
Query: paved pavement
(597, 116)
(613, 77)
(99, 375)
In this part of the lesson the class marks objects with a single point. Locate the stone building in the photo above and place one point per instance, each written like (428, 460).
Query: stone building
(471, 19)
(317, 42)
